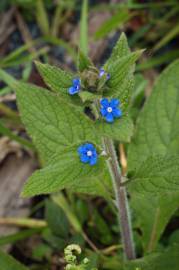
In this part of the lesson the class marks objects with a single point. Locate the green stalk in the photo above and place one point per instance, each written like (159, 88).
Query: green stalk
(23, 222)
(121, 200)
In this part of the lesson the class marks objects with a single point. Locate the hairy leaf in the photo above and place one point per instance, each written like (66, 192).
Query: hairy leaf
(120, 50)
(157, 175)
(157, 136)
(66, 171)
(165, 260)
(57, 80)
(120, 67)
(153, 216)
(88, 96)
(121, 82)
(51, 122)
(157, 131)
(121, 129)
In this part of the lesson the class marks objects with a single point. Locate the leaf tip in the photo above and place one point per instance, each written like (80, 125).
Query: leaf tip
(23, 194)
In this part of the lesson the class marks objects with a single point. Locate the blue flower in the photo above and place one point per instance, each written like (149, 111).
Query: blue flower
(75, 88)
(88, 154)
(102, 72)
(110, 109)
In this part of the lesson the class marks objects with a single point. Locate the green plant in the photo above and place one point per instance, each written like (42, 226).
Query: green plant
(66, 132)
(71, 258)
(77, 145)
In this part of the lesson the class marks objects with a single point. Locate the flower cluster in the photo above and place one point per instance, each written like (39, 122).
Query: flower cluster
(110, 109)
(88, 154)
(75, 88)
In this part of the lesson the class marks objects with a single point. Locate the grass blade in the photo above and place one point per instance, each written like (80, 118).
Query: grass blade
(114, 22)
(42, 17)
(84, 28)
(7, 132)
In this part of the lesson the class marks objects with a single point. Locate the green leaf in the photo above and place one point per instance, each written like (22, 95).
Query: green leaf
(157, 135)
(82, 211)
(153, 216)
(120, 50)
(51, 122)
(88, 96)
(157, 130)
(67, 171)
(57, 79)
(84, 62)
(102, 229)
(165, 260)
(120, 130)
(7, 262)
(157, 175)
(121, 81)
(56, 219)
(120, 67)
(54, 241)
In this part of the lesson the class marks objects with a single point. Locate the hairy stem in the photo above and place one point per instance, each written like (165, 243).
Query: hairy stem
(121, 200)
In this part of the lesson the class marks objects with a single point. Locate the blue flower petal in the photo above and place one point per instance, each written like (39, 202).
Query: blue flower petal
(117, 112)
(109, 117)
(89, 146)
(93, 160)
(81, 150)
(84, 158)
(108, 76)
(95, 153)
(104, 102)
(103, 111)
(101, 72)
(114, 102)
(76, 82)
(72, 90)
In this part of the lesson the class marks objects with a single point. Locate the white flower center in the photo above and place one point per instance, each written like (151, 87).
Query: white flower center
(109, 109)
(89, 153)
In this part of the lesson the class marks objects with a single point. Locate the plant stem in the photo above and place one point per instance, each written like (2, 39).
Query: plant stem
(121, 200)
